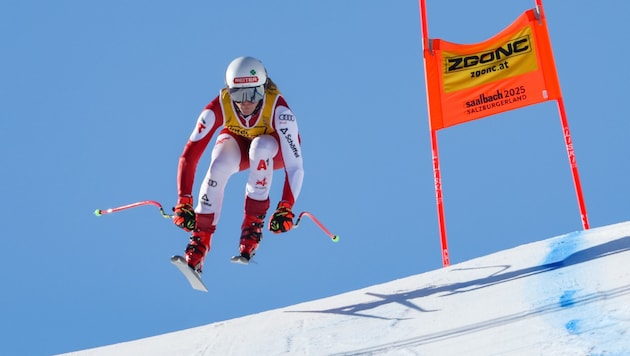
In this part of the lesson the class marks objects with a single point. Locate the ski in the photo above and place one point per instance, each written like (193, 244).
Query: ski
(240, 260)
(191, 275)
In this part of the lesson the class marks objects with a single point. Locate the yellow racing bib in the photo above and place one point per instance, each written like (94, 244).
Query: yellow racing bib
(263, 124)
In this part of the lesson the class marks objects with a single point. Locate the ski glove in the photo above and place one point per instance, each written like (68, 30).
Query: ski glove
(184, 214)
(282, 218)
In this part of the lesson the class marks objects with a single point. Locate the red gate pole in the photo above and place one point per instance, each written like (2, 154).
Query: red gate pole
(573, 162)
(434, 146)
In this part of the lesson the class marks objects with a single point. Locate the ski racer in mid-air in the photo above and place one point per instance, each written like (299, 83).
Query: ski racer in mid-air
(259, 133)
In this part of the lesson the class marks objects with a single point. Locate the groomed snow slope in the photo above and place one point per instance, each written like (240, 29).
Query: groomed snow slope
(568, 295)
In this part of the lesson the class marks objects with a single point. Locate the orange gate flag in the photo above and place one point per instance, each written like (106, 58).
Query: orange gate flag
(513, 69)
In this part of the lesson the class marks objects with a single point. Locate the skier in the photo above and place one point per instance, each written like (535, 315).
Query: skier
(259, 134)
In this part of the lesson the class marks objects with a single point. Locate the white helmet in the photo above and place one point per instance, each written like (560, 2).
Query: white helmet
(245, 72)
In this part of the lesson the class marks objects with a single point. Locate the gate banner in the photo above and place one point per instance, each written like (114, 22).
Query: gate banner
(515, 68)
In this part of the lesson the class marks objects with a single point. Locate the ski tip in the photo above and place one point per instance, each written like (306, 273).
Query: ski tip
(240, 260)
(335, 238)
(177, 258)
(191, 275)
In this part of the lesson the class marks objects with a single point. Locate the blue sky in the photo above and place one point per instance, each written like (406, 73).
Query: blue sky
(99, 98)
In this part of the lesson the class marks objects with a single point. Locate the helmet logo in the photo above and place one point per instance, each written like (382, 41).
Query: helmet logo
(245, 80)
(252, 72)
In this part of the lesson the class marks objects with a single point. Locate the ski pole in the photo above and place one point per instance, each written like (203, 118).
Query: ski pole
(99, 212)
(334, 237)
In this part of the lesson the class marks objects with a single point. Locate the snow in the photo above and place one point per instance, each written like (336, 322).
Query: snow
(568, 295)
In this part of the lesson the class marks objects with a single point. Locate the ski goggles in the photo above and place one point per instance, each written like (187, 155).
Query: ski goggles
(252, 94)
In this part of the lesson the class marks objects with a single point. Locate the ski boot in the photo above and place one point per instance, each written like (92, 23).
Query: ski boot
(251, 235)
(197, 249)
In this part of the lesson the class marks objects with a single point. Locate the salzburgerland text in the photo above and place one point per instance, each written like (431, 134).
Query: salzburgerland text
(488, 102)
